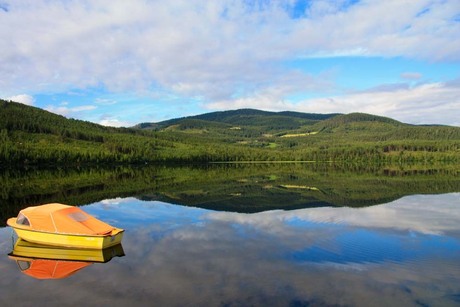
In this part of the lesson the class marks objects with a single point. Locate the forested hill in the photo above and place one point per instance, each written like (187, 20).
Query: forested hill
(20, 117)
(247, 117)
(342, 120)
(32, 136)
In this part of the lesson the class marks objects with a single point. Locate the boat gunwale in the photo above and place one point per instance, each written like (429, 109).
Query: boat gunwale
(98, 258)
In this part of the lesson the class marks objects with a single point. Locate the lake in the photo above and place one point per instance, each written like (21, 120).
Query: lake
(265, 235)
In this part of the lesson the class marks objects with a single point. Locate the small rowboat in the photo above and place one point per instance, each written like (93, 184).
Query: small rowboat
(62, 225)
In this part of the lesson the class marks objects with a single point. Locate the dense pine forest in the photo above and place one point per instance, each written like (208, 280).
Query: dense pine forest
(32, 136)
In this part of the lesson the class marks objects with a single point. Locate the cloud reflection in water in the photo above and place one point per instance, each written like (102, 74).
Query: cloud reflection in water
(406, 252)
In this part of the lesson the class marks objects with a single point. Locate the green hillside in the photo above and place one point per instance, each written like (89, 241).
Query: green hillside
(264, 120)
(248, 117)
(31, 136)
(348, 120)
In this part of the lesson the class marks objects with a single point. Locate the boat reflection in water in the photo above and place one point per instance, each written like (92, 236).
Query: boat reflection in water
(53, 262)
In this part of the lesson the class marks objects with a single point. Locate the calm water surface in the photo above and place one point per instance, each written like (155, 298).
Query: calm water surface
(402, 253)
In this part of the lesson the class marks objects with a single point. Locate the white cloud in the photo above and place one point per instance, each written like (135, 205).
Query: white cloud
(203, 47)
(105, 101)
(66, 111)
(422, 104)
(411, 75)
(116, 201)
(213, 50)
(23, 98)
(114, 122)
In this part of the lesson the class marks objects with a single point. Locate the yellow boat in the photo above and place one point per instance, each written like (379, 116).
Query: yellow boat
(62, 225)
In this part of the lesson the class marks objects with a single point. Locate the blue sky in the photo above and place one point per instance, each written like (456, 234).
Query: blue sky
(119, 63)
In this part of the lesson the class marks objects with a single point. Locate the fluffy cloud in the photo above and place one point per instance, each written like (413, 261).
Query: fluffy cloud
(206, 48)
(23, 98)
(114, 122)
(422, 104)
(216, 51)
(69, 112)
(411, 75)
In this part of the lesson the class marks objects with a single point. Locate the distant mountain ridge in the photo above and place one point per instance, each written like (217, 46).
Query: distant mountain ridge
(248, 117)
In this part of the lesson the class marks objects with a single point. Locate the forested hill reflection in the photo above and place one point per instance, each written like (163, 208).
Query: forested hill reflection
(229, 187)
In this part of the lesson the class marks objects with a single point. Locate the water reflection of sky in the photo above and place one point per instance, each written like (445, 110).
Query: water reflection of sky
(403, 253)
